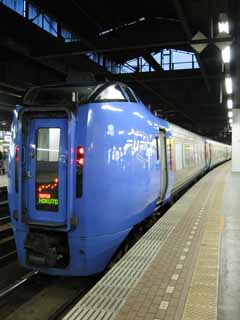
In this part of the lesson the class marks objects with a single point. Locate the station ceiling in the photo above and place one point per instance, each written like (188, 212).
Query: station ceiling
(193, 98)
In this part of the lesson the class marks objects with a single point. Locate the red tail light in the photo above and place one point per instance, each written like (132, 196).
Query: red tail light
(79, 171)
(80, 156)
(17, 153)
(16, 167)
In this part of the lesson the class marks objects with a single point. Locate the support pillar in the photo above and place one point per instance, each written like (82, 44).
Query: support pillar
(236, 86)
(236, 141)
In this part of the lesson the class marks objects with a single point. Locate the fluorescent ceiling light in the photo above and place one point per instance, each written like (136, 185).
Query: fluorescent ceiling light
(230, 114)
(229, 85)
(229, 104)
(226, 54)
(223, 25)
(230, 121)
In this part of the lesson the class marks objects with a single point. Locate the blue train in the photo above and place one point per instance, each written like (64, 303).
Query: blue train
(88, 162)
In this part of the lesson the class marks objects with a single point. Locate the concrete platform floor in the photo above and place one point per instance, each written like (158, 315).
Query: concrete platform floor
(229, 285)
(173, 272)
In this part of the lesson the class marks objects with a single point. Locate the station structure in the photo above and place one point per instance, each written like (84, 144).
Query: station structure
(182, 58)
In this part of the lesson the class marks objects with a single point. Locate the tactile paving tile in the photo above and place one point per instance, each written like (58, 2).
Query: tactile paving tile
(203, 293)
(109, 293)
(200, 312)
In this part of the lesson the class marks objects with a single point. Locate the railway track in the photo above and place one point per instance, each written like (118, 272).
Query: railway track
(31, 290)
(11, 287)
(37, 296)
(7, 243)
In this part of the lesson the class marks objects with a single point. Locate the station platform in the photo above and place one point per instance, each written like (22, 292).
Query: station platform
(185, 267)
(3, 180)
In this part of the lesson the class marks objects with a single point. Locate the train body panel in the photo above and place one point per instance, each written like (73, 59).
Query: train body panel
(218, 152)
(189, 156)
(121, 171)
(81, 178)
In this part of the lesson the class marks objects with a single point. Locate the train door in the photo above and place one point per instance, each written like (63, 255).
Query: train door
(163, 159)
(46, 171)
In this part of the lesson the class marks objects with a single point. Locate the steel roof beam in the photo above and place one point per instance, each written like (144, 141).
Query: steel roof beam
(7, 101)
(188, 33)
(76, 50)
(152, 62)
(173, 75)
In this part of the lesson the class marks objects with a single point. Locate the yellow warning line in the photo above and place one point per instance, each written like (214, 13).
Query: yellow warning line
(202, 300)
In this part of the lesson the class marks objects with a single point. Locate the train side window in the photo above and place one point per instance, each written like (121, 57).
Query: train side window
(111, 93)
(178, 156)
(189, 155)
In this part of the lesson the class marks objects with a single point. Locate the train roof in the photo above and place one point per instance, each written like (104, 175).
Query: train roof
(75, 92)
(184, 132)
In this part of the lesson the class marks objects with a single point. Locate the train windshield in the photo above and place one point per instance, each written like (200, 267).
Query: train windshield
(59, 95)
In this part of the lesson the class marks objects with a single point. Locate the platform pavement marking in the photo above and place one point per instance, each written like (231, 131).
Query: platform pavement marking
(221, 223)
(202, 300)
(101, 301)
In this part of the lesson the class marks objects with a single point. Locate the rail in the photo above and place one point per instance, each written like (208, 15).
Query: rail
(17, 283)
(7, 243)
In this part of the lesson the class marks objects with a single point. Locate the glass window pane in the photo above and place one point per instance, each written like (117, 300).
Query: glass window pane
(48, 143)
(35, 15)
(50, 25)
(111, 93)
(16, 5)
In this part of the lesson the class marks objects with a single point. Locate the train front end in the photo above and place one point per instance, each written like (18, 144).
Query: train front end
(46, 167)
(77, 153)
